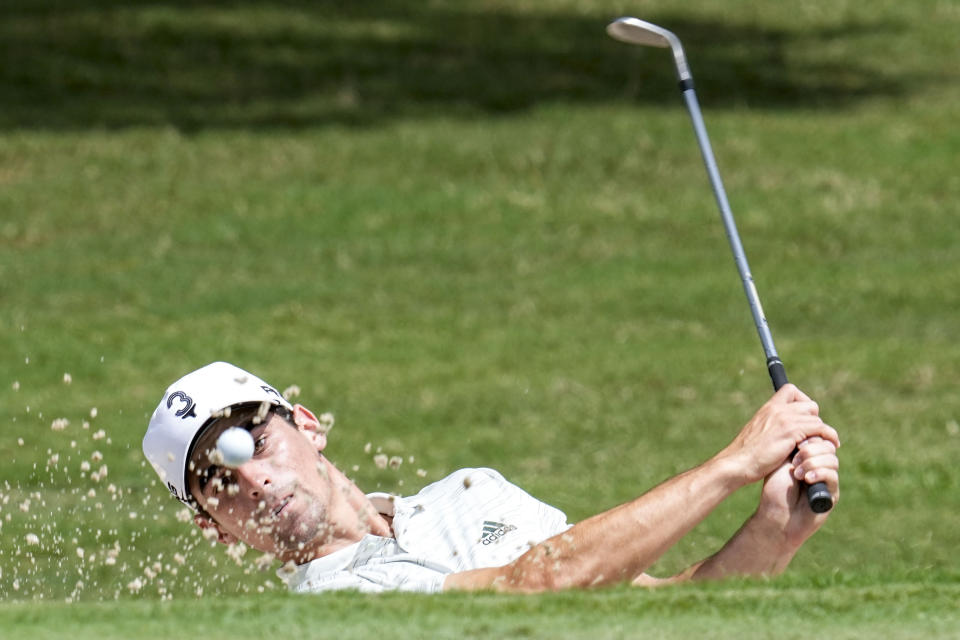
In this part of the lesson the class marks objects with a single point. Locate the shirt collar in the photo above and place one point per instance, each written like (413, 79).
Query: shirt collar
(339, 559)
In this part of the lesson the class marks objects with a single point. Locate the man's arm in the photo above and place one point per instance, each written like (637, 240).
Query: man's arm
(767, 542)
(621, 543)
(615, 545)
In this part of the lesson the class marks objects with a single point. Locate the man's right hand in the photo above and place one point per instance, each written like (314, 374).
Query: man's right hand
(772, 434)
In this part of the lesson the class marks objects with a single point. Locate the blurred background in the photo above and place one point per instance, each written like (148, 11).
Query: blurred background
(480, 234)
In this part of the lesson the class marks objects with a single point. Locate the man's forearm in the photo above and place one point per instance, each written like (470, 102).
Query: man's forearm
(618, 544)
(759, 548)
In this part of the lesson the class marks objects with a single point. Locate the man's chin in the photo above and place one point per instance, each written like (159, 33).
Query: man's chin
(294, 536)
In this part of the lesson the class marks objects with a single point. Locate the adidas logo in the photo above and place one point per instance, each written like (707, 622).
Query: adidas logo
(493, 531)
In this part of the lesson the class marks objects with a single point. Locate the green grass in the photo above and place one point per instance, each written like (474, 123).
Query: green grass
(894, 610)
(479, 233)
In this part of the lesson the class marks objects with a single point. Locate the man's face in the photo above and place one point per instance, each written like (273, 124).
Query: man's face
(275, 502)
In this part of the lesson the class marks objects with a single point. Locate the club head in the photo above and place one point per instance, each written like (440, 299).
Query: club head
(647, 34)
(636, 31)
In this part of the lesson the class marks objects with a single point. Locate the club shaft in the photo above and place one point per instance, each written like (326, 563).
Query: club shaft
(739, 256)
(817, 494)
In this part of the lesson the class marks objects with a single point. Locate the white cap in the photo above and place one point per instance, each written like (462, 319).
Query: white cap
(190, 405)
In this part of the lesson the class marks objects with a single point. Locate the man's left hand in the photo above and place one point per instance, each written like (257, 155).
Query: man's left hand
(784, 500)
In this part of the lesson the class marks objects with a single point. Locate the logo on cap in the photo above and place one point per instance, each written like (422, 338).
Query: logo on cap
(187, 410)
(270, 389)
(177, 494)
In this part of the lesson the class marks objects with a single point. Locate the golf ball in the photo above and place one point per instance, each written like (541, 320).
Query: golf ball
(236, 446)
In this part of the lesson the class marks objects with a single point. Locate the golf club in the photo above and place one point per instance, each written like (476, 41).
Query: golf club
(635, 31)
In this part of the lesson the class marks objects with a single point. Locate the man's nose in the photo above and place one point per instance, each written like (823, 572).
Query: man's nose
(254, 478)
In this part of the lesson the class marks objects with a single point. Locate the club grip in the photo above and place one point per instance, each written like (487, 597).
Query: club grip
(817, 493)
(819, 497)
(778, 375)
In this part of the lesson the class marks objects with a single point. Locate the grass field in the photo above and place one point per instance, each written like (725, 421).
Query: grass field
(480, 234)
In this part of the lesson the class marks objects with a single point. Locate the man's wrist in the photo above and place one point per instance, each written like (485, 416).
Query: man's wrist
(759, 548)
(769, 533)
(730, 471)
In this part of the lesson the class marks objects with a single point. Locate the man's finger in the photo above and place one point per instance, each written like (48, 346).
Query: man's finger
(830, 434)
(829, 476)
(814, 464)
(789, 393)
(815, 445)
(806, 406)
(808, 427)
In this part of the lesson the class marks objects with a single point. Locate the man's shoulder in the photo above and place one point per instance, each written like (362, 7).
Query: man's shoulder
(475, 473)
(466, 493)
(474, 518)
(387, 504)
(470, 475)
(463, 480)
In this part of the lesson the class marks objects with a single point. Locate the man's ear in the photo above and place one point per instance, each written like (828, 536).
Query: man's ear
(206, 523)
(309, 426)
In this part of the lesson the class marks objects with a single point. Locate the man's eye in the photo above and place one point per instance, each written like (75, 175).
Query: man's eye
(214, 475)
(222, 479)
(203, 477)
(259, 443)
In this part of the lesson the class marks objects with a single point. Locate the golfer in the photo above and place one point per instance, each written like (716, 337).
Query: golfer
(473, 529)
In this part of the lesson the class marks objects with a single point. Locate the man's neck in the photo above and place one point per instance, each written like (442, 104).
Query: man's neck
(351, 516)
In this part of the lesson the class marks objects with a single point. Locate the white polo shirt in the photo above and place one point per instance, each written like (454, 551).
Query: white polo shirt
(471, 519)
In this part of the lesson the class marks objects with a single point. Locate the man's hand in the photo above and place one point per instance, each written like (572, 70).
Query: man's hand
(788, 419)
(783, 500)
(767, 542)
